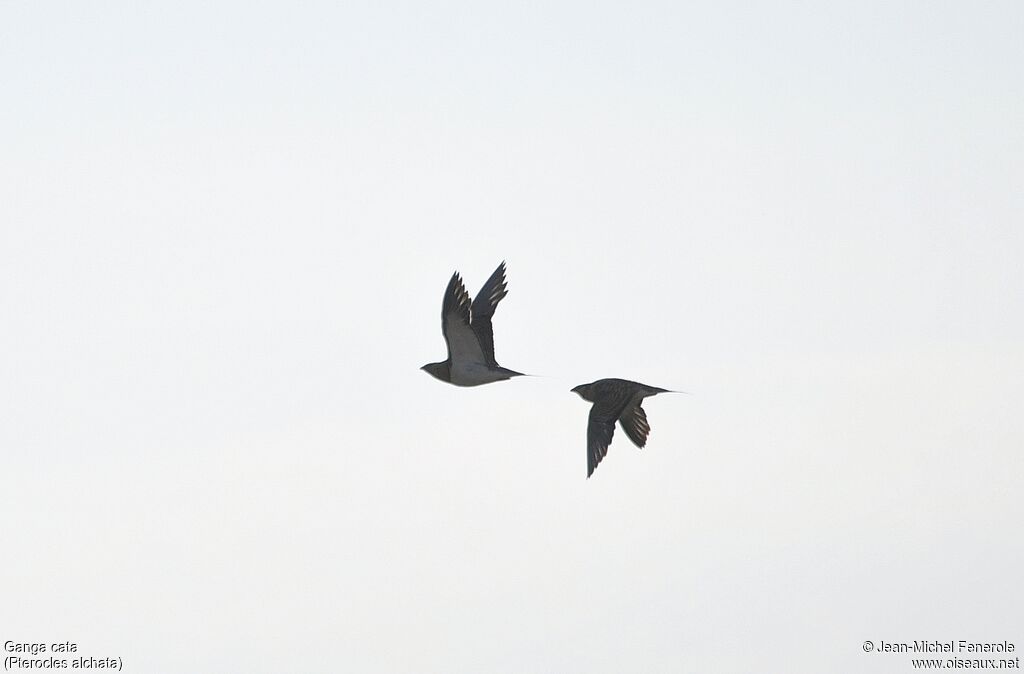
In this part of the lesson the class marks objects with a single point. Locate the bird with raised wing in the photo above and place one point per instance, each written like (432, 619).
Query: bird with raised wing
(467, 331)
(615, 400)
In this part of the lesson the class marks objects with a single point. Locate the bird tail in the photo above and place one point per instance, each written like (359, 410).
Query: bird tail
(654, 390)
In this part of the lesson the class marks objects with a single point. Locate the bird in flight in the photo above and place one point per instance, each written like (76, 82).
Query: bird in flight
(615, 400)
(467, 332)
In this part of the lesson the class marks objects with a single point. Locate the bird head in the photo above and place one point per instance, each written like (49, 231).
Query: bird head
(583, 391)
(438, 370)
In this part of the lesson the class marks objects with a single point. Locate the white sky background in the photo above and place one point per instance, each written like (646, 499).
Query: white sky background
(224, 238)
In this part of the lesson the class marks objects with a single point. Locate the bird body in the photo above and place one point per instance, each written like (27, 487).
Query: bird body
(474, 373)
(615, 400)
(468, 333)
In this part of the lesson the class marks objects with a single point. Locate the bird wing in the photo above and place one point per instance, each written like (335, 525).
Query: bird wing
(463, 345)
(483, 309)
(634, 423)
(601, 426)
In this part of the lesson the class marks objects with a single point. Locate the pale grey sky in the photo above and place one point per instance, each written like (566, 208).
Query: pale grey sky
(224, 236)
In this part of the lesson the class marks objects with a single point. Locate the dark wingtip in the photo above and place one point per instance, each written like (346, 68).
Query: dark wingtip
(453, 283)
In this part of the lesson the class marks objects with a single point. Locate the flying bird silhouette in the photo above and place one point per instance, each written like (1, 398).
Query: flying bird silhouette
(467, 332)
(615, 400)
